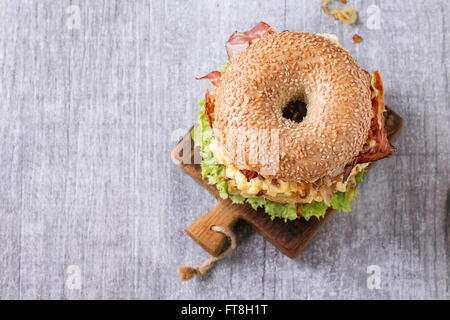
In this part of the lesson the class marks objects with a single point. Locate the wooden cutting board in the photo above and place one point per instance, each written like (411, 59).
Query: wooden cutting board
(290, 238)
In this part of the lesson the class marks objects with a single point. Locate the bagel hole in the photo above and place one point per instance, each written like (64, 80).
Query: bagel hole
(295, 111)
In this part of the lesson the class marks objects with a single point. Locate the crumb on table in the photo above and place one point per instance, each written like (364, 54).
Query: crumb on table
(356, 38)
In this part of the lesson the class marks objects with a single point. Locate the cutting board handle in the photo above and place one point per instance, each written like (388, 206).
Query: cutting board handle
(200, 230)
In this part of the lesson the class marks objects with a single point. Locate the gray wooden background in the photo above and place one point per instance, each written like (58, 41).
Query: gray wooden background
(94, 95)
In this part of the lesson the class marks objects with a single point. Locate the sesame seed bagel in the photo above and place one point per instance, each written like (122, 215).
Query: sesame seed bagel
(281, 68)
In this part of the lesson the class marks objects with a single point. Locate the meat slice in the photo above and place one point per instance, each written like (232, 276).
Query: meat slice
(239, 41)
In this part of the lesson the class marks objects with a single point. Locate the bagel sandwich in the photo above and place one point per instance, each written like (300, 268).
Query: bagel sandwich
(292, 123)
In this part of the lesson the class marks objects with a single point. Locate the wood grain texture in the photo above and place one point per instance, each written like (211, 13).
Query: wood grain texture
(89, 117)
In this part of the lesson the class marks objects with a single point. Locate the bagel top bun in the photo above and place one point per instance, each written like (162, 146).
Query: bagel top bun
(284, 67)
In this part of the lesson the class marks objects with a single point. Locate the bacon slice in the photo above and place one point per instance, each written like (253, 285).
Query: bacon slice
(236, 44)
(209, 108)
(249, 174)
(239, 41)
(213, 75)
(382, 147)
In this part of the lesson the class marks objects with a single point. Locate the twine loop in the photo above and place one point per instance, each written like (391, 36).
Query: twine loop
(189, 272)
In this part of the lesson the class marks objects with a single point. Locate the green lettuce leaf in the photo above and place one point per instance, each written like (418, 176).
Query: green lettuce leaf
(339, 202)
(314, 209)
(342, 201)
(278, 210)
(256, 202)
(202, 135)
(222, 186)
(372, 83)
(360, 175)
(224, 67)
(237, 199)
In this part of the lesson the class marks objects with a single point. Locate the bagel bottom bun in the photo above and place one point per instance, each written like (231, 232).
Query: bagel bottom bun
(282, 198)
